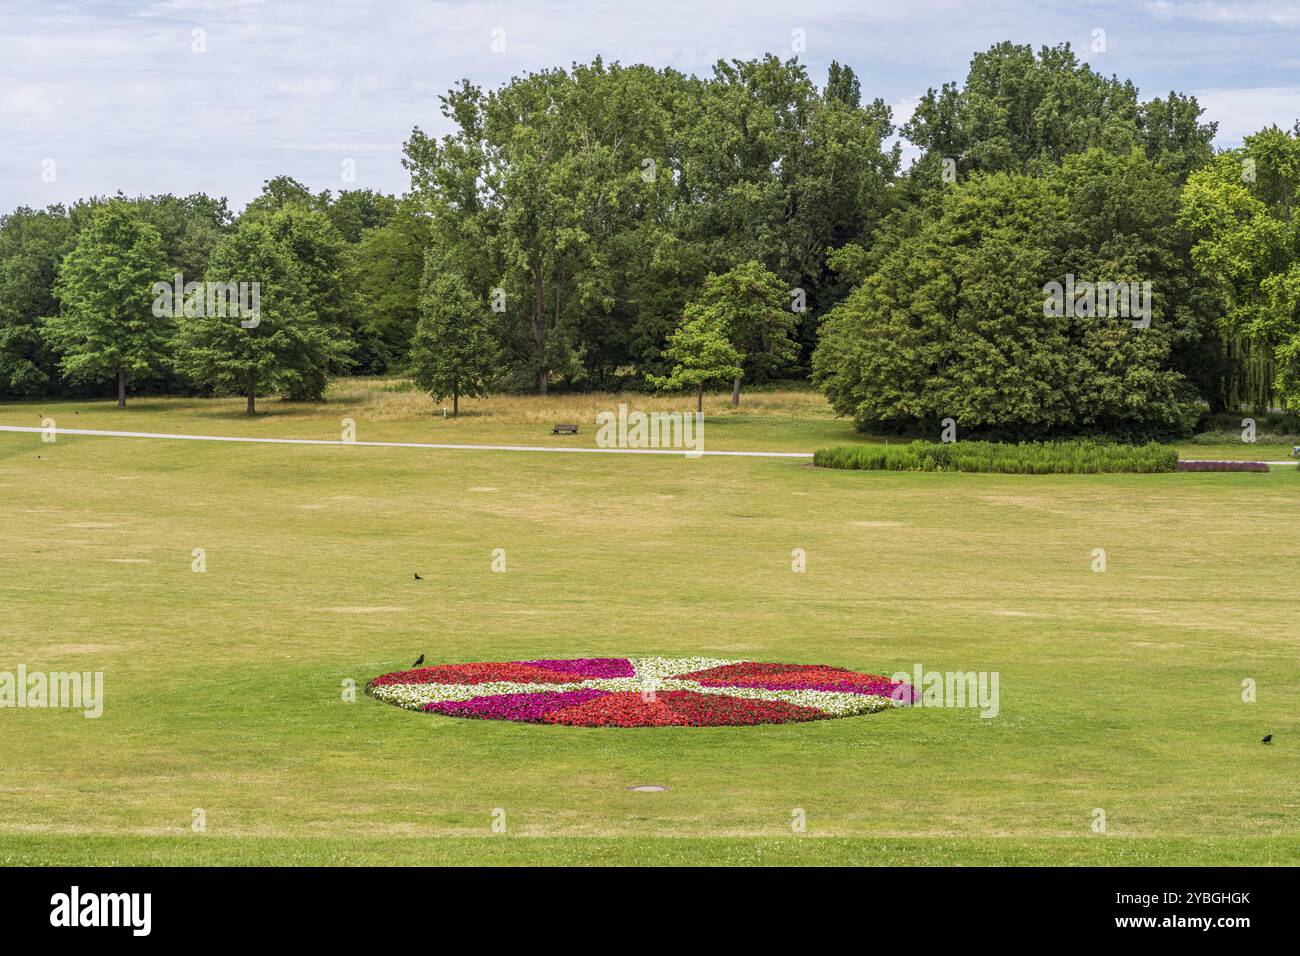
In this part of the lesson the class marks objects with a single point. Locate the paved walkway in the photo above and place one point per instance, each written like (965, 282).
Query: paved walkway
(410, 444)
(416, 444)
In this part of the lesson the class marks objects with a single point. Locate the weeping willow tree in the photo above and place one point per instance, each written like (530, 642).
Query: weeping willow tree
(1252, 374)
(1242, 212)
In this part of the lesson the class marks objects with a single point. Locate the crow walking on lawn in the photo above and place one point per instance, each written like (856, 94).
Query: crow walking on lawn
(417, 576)
(419, 662)
(1268, 739)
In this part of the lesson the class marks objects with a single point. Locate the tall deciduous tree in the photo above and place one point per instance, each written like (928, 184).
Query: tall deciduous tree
(453, 352)
(307, 234)
(1173, 135)
(952, 320)
(190, 227)
(1243, 212)
(779, 172)
(32, 245)
(700, 354)
(753, 308)
(531, 191)
(384, 269)
(354, 211)
(285, 347)
(598, 199)
(1021, 112)
(106, 326)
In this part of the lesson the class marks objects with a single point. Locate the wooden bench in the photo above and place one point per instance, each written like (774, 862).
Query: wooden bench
(564, 430)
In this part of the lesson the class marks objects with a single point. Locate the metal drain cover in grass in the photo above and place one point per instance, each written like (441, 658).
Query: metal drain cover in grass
(640, 691)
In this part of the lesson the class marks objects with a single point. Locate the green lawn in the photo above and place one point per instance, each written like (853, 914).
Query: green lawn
(1119, 691)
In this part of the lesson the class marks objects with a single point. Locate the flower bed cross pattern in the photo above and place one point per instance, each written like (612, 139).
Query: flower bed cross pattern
(641, 691)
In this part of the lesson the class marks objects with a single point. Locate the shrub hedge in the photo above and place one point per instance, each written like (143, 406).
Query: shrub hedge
(1037, 458)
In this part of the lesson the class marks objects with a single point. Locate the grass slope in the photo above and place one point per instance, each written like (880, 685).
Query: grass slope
(1119, 691)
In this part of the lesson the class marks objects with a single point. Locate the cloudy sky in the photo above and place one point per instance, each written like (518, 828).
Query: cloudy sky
(219, 95)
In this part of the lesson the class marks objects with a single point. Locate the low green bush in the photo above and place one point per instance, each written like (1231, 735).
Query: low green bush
(1038, 458)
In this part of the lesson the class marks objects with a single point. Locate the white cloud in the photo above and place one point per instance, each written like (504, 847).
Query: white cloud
(1281, 14)
(115, 92)
(1241, 112)
(308, 86)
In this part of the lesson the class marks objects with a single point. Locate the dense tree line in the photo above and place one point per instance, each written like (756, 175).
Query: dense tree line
(612, 226)
(592, 204)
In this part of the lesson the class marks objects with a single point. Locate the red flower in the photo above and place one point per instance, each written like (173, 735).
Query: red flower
(678, 708)
(758, 674)
(623, 709)
(484, 673)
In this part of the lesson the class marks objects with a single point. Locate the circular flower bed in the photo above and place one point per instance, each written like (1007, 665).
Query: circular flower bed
(640, 692)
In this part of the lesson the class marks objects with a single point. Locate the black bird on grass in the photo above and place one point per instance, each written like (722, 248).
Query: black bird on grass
(419, 662)
(417, 577)
(1268, 739)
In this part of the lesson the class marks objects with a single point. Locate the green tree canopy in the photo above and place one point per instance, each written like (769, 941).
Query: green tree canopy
(1241, 212)
(752, 307)
(599, 198)
(1173, 135)
(285, 347)
(951, 322)
(454, 351)
(105, 326)
(1021, 112)
(32, 245)
(1024, 112)
(384, 271)
(354, 211)
(701, 355)
(190, 228)
(307, 234)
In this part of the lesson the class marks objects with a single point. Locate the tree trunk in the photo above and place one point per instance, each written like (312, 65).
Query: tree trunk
(252, 398)
(699, 403)
(735, 392)
(539, 331)
(121, 388)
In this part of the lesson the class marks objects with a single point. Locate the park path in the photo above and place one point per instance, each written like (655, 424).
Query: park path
(409, 444)
(415, 444)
